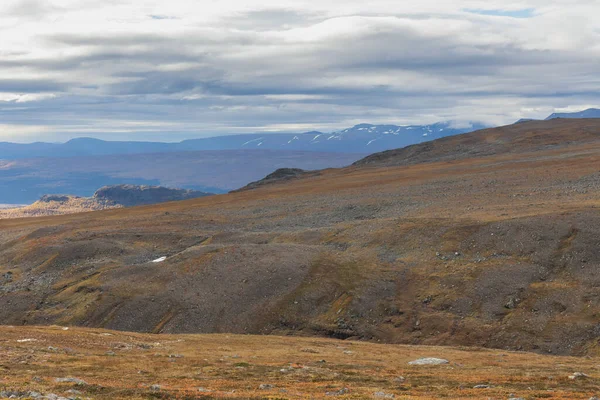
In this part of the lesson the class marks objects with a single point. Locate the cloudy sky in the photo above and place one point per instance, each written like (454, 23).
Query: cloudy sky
(169, 70)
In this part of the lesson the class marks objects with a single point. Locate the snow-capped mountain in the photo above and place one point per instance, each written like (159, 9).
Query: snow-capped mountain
(363, 138)
(589, 113)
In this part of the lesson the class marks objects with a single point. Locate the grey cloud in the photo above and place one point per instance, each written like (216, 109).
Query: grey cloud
(33, 9)
(31, 86)
(237, 78)
(270, 19)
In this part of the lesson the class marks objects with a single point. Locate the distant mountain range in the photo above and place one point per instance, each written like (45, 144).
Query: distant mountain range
(589, 113)
(363, 138)
(216, 164)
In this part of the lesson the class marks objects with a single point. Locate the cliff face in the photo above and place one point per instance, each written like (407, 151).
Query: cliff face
(132, 195)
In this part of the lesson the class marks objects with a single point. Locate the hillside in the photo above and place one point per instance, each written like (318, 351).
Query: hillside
(101, 364)
(134, 195)
(105, 198)
(526, 136)
(57, 205)
(496, 247)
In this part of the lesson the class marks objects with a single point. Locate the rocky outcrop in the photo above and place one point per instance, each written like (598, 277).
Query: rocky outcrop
(47, 198)
(133, 195)
(279, 175)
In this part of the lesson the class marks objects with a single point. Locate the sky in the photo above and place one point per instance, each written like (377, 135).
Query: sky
(177, 69)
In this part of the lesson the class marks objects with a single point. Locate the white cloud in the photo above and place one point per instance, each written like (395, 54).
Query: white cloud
(196, 68)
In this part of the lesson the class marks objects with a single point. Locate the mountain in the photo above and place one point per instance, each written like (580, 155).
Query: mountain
(363, 138)
(135, 195)
(589, 113)
(485, 239)
(511, 139)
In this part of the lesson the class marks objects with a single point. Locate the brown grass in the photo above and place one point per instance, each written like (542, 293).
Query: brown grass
(119, 365)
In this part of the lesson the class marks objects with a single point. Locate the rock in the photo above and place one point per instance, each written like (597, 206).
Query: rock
(512, 303)
(76, 381)
(155, 388)
(203, 390)
(111, 353)
(53, 396)
(578, 375)
(594, 398)
(8, 277)
(429, 361)
(383, 395)
(132, 195)
(60, 198)
(309, 350)
(282, 174)
(265, 386)
(482, 387)
(340, 392)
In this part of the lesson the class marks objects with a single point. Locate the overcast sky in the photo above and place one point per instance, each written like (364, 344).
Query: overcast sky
(169, 70)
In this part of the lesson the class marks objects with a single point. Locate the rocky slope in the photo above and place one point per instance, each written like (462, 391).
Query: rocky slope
(105, 198)
(57, 205)
(489, 239)
(134, 195)
(278, 176)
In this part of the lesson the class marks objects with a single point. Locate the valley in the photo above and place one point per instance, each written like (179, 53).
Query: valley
(24, 181)
(494, 250)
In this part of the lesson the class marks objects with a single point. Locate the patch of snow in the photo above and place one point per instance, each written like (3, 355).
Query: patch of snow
(426, 134)
(159, 260)
(253, 140)
(260, 144)
(292, 139)
(371, 141)
(315, 138)
(26, 340)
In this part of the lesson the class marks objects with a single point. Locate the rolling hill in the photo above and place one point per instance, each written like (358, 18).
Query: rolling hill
(484, 239)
